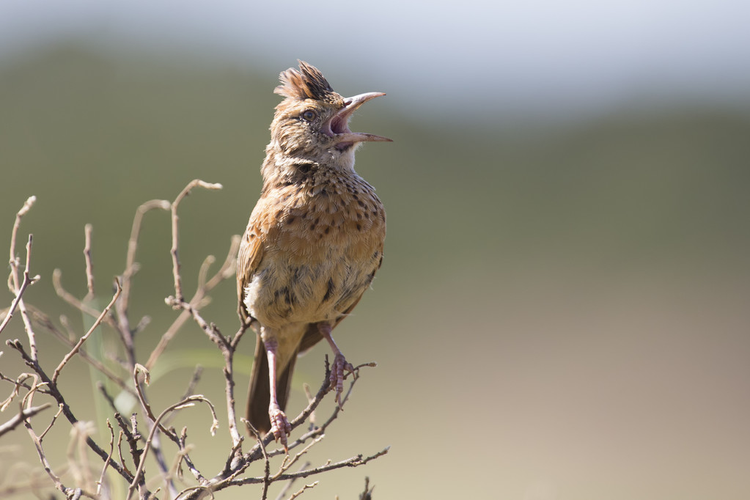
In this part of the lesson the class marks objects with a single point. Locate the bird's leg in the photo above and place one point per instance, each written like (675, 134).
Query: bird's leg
(340, 365)
(279, 424)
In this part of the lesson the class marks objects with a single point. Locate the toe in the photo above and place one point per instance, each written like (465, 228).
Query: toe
(338, 371)
(280, 426)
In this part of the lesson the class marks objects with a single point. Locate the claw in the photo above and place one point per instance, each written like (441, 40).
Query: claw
(340, 365)
(280, 425)
(338, 371)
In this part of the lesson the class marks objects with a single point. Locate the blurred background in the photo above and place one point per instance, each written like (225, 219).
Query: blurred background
(563, 308)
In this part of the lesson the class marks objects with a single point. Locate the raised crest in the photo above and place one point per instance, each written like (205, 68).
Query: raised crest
(306, 83)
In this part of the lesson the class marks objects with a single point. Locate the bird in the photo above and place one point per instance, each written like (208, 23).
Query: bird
(313, 243)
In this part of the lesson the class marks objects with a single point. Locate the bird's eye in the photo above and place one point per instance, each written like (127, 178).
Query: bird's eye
(309, 115)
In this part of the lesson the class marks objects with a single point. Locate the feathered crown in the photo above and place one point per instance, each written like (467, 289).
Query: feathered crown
(307, 83)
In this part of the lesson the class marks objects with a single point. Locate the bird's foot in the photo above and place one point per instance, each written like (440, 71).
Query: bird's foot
(280, 425)
(338, 370)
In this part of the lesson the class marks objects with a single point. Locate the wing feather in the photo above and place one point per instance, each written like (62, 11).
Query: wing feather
(248, 260)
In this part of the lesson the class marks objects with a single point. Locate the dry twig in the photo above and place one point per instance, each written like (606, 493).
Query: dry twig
(175, 233)
(85, 337)
(89, 264)
(21, 416)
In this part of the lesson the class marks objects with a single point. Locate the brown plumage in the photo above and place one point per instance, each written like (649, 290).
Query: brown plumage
(313, 243)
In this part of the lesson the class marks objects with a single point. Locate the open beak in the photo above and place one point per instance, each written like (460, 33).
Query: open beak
(338, 126)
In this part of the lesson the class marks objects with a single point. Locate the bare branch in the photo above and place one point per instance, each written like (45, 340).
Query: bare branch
(225, 272)
(266, 461)
(130, 266)
(210, 329)
(26, 282)
(287, 463)
(43, 458)
(227, 347)
(65, 322)
(193, 381)
(70, 299)
(155, 422)
(186, 457)
(175, 232)
(168, 471)
(17, 384)
(83, 339)
(119, 450)
(90, 360)
(203, 271)
(20, 417)
(13, 278)
(367, 494)
(55, 393)
(309, 396)
(89, 264)
(139, 368)
(290, 483)
(189, 390)
(100, 482)
(227, 269)
(303, 416)
(157, 425)
(13, 283)
(302, 490)
(52, 422)
(132, 438)
(166, 338)
(78, 463)
(350, 462)
(22, 306)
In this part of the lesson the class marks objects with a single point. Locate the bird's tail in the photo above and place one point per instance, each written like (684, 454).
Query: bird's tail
(259, 393)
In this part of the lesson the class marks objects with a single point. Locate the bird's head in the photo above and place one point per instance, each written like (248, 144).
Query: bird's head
(312, 122)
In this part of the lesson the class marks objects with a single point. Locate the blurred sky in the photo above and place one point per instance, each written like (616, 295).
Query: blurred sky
(546, 58)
